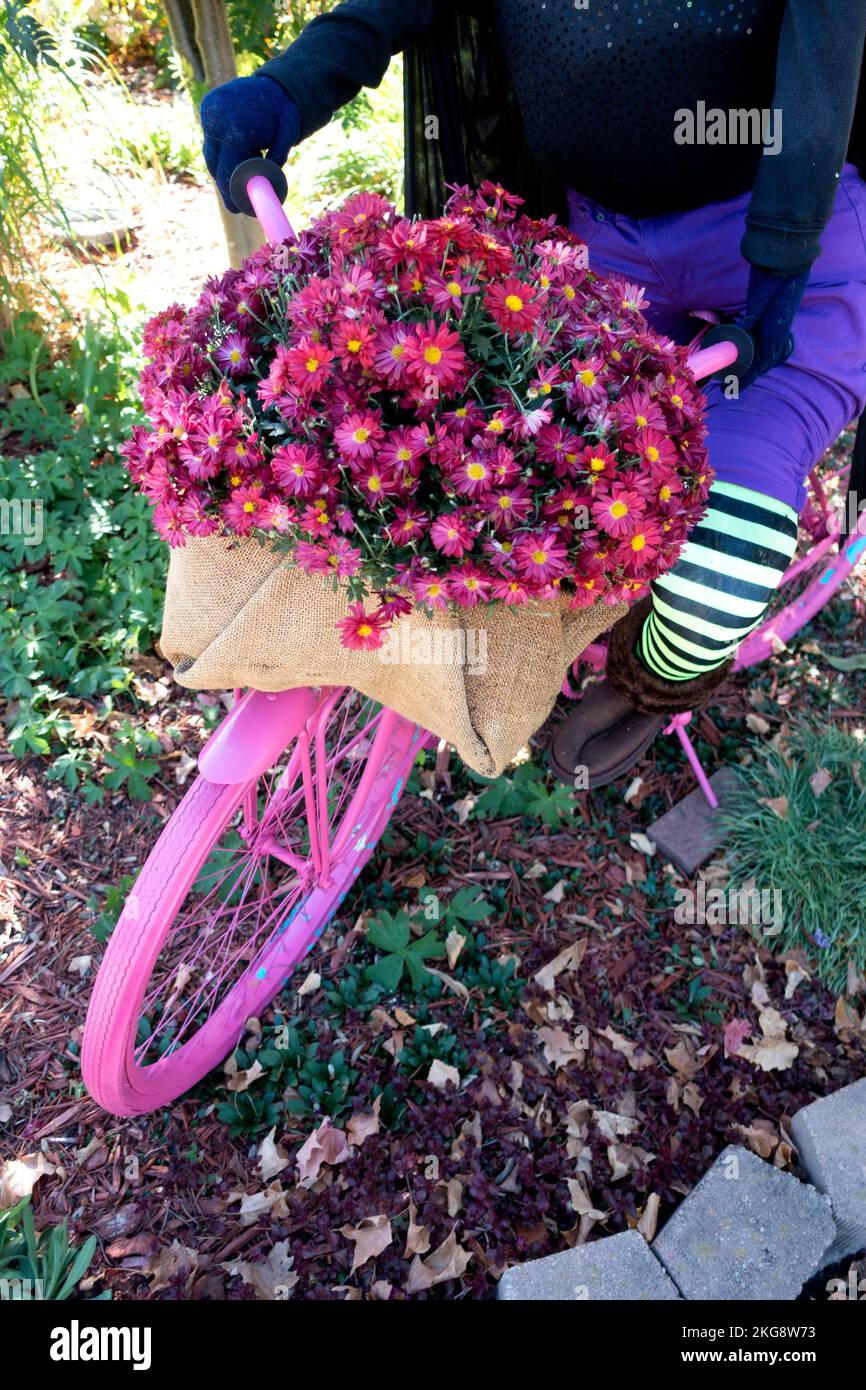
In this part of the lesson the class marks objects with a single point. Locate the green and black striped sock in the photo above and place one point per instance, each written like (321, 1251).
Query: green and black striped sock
(719, 589)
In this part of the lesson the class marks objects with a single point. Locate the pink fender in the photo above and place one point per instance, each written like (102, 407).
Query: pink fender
(254, 734)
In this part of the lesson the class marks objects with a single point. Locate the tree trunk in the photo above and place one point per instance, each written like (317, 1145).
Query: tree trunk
(200, 33)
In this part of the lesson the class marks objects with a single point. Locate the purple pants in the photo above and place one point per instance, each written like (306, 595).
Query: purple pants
(779, 428)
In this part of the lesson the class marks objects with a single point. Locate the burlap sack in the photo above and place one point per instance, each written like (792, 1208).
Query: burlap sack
(484, 679)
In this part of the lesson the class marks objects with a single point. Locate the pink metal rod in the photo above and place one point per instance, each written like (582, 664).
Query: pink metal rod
(269, 210)
(712, 359)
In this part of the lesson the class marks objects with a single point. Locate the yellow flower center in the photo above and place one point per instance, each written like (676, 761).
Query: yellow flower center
(404, 454)
(677, 400)
(361, 435)
(397, 351)
(432, 354)
(539, 557)
(596, 464)
(461, 412)
(476, 471)
(374, 483)
(453, 287)
(505, 503)
(364, 630)
(619, 509)
(641, 420)
(312, 364)
(472, 583)
(354, 345)
(298, 470)
(586, 377)
(234, 355)
(664, 493)
(213, 441)
(249, 506)
(434, 590)
(235, 480)
(652, 453)
(496, 425)
(638, 542)
(568, 291)
(514, 303)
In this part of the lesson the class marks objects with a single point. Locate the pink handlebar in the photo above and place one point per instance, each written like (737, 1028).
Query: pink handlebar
(708, 360)
(269, 210)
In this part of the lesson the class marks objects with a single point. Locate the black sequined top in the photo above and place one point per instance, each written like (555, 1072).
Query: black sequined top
(620, 99)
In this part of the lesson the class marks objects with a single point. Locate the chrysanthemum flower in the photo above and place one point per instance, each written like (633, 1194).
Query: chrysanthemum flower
(512, 305)
(616, 510)
(451, 534)
(358, 436)
(541, 556)
(468, 585)
(244, 509)
(233, 354)
(435, 353)
(297, 468)
(360, 630)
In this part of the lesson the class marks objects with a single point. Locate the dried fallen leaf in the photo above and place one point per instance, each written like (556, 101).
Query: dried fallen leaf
(362, 1127)
(417, 1237)
(371, 1237)
(272, 1278)
(310, 984)
(254, 1205)
(19, 1176)
(636, 1057)
(441, 1075)
(820, 781)
(757, 724)
(735, 1033)
(272, 1157)
(777, 804)
(773, 1051)
(241, 1080)
(557, 892)
(642, 843)
(568, 959)
(581, 1202)
(447, 1262)
(172, 1264)
(559, 1049)
(649, 1216)
(454, 943)
(326, 1145)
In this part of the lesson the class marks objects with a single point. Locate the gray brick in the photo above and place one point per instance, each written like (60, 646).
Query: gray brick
(747, 1231)
(688, 834)
(831, 1137)
(614, 1267)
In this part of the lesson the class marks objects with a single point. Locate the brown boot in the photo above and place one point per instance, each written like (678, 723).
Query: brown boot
(616, 721)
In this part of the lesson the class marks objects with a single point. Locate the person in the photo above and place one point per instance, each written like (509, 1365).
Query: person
(708, 152)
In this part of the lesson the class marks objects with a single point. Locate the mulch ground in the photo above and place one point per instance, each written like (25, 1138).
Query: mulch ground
(590, 1100)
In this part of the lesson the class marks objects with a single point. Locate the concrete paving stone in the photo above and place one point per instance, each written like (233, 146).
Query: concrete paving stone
(831, 1137)
(614, 1267)
(688, 834)
(746, 1231)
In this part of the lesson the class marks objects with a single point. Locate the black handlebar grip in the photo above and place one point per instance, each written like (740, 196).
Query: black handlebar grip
(742, 340)
(244, 172)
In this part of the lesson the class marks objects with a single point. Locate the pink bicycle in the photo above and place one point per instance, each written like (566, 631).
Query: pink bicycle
(293, 793)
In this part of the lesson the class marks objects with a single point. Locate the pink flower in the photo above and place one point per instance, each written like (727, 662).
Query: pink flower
(297, 468)
(541, 556)
(451, 534)
(358, 435)
(234, 354)
(361, 631)
(468, 585)
(512, 305)
(617, 510)
(245, 509)
(435, 355)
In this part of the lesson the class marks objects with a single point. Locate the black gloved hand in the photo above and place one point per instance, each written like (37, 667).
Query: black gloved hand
(771, 303)
(245, 118)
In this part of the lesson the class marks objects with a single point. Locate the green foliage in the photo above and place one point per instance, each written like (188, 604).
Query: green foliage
(392, 934)
(524, 792)
(127, 768)
(425, 1047)
(105, 915)
(81, 593)
(46, 1258)
(465, 906)
(298, 1080)
(812, 852)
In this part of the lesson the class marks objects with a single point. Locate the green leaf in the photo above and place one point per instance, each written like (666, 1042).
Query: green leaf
(389, 932)
(387, 971)
(856, 662)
